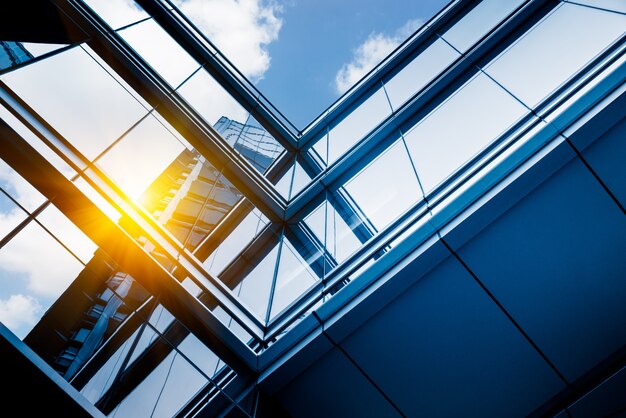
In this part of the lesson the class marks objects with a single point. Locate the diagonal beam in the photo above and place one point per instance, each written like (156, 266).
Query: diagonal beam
(122, 248)
(199, 133)
(187, 36)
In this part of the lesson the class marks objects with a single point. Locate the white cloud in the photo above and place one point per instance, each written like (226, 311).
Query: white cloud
(242, 29)
(19, 312)
(48, 267)
(367, 55)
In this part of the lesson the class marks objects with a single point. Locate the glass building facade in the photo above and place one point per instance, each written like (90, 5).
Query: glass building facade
(446, 239)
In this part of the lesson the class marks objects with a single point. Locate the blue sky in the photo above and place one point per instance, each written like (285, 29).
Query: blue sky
(318, 37)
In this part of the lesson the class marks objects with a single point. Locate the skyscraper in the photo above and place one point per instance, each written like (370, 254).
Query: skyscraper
(445, 240)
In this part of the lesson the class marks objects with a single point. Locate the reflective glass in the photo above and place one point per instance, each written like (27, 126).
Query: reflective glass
(319, 151)
(235, 125)
(612, 5)
(21, 190)
(356, 124)
(164, 391)
(480, 20)
(210, 99)
(459, 128)
(200, 355)
(10, 215)
(419, 71)
(34, 271)
(386, 187)
(68, 233)
(555, 49)
(242, 234)
(117, 13)
(300, 180)
(339, 227)
(38, 49)
(296, 273)
(12, 54)
(141, 156)
(254, 285)
(293, 181)
(105, 376)
(160, 51)
(94, 110)
(37, 144)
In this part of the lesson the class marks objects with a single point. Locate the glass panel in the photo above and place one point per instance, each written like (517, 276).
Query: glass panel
(612, 5)
(328, 223)
(253, 287)
(555, 49)
(295, 274)
(95, 109)
(117, 13)
(37, 144)
(167, 388)
(200, 355)
(21, 190)
(29, 288)
(355, 125)
(284, 184)
(68, 233)
(161, 318)
(319, 151)
(253, 142)
(236, 241)
(459, 128)
(160, 51)
(230, 120)
(386, 187)
(293, 181)
(210, 100)
(105, 376)
(157, 147)
(10, 215)
(300, 180)
(480, 20)
(38, 49)
(419, 71)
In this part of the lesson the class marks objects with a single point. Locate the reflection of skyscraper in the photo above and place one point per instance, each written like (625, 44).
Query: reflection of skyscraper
(12, 53)
(189, 198)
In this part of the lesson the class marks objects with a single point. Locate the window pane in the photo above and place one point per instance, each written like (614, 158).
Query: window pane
(117, 13)
(355, 125)
(235, 242)
(167, 388)
(10, 215)
(210, 99)
(480, 20)
(157, 149)
(104, 377)
(236, 126)
(339, 227)
(254, 289)
(554, 50)
(295, 274)
(21, 190)
(613, 5)
(386, 187)
(68, 233)
(419, 71)
(28, 287)
(160, 51)
(459, 128)
(73, 93)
